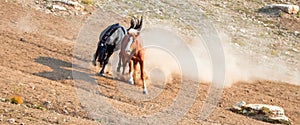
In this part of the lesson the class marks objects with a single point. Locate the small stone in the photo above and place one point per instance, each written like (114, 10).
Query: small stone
(11, 120)
(245, 111)
(2, 99)
(57, 7)
(65, 111)
(287, 53)
(295, 50)
(220, 105)
(243, 30)
(222, 116)
(47, 104)
(48, 11)
(296, 33)
(21, 39)
(237, 44)
(240, 104)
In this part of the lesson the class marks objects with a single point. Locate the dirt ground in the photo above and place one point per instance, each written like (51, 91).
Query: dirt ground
(36, 64)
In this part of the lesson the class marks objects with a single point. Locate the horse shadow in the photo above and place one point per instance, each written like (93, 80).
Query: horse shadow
(62, 70)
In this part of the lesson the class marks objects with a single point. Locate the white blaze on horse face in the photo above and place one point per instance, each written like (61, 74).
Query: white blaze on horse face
(133, 31)
(127, 49)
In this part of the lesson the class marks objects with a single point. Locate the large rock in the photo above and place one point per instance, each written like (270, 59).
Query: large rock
(267, 113)
(291, 9)
(77, 5)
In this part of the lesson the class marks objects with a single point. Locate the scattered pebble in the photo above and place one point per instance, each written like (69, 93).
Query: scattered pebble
(295, 50)
(243, 30)
(11, 120)
(57, 7)
(22, 40)
(65, 111)
(296, 33)
(47, 104)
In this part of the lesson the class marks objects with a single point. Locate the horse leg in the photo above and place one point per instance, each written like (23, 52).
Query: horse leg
(134, 70)
(143, 77)
(105, 62)
(101, 58)
(124, 64)
(119, 64)
(96, 55)
(102, 54)
(131, 81)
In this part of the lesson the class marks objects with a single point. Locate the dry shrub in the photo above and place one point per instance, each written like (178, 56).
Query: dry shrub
(88, 2)
(16, 100)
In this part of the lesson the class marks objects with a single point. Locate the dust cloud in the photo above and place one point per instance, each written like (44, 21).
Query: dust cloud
(169, 52)
(25, 24)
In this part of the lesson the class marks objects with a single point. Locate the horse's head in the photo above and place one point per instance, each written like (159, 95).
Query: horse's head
(133, 34)
(136, 24)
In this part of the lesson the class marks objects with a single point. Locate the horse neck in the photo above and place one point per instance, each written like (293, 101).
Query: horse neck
(125, 41)
(138, 42)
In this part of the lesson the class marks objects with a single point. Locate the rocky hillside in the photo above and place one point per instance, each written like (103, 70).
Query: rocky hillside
(38, 39)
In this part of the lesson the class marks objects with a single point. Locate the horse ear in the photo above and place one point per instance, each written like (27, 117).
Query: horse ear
(132, 24)
(139, 24)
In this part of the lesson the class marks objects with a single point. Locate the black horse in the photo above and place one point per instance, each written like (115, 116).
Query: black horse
(110, 41)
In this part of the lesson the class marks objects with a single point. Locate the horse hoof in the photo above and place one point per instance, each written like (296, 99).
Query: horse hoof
(145, 92)
(131, 82)
(94, 62)
(102, 74)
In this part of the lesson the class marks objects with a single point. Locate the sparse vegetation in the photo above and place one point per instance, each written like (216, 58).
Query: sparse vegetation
(36, 106)
(265, 111)
(16, 100)
(88, 2)
(238, 42)
(40, 80)
(274, 53)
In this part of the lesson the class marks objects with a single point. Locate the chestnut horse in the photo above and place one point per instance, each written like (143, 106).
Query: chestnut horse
(110, 41)
(132, 51)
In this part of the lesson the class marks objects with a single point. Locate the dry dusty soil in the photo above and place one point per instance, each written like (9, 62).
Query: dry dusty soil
(36, 65)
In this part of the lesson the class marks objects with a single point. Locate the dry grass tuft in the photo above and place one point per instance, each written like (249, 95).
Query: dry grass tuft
(88, 2)
(16, 100)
